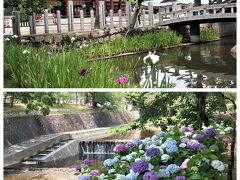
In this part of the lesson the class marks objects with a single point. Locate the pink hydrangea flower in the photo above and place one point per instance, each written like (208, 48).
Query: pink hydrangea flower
(184, 164)
(227, 140)
(122, 79)
(95, 173)
(119, 148)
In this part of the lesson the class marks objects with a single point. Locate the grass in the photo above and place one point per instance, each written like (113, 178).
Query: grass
(15, 108)
(208, 34)
(69, 106)
(44, 67)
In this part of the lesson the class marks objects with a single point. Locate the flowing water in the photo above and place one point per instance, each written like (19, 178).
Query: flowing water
(207, 65)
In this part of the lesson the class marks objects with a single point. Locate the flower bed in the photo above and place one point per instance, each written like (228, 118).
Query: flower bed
(180, 153)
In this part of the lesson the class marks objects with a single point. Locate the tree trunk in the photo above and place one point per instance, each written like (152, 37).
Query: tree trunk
(134, 17)
(76, 98)
(201, 107)
(12, 99)
(94, 102)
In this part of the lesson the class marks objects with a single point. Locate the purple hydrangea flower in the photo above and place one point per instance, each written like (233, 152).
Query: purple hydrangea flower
(180, 178)
(95, 173)
(185, 129)
(150, 176)
(152, 152)
(129, 144)
(198, 137)
(140, 166)
(119, 148)
(87, 162)
(193, 144)
(210, 132)
(78, 168)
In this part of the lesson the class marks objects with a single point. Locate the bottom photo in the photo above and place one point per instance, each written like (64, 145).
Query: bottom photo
(119, 135)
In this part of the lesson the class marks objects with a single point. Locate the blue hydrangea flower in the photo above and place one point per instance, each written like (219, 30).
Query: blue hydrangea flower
(164, 173)
(137, 141)
(173, 168)
(83, 177)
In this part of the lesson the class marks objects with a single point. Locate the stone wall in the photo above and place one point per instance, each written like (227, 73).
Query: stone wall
(21, 128)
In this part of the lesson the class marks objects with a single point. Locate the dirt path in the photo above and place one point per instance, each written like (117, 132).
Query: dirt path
(46, 174)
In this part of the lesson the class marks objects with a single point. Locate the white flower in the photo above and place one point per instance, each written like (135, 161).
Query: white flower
(132, 175)
(188, 134)
(142, 151)
(14, 36)
(222, 133)
(26, 51)
(165, 157)
(111, 171)
(147, 158)
(140, 146)
(129, 157)
(120, 177)
(154, 58)
(6, 39)
(205, 160)
(150, 167)
(228, 129)
(182, 145)
(133, 154)
(137, 159)
(216, 164)
(154, 137)
(73, 39)
(123, 158)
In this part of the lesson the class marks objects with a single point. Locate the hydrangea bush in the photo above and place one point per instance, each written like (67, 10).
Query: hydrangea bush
(180, 153)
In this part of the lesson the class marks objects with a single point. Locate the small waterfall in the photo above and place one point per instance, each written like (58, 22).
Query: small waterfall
(97, 149)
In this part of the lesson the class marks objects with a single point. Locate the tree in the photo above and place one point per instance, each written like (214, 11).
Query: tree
(27, 7)
(164, 109)
(135, 14)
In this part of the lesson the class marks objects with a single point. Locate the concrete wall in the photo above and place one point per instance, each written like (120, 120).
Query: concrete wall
(21, 128)
(226, 28)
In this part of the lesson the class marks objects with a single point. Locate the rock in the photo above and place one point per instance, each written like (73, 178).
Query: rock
(234, 49)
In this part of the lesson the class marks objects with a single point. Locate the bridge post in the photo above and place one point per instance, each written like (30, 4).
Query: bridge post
(150, 13)
(194, 32)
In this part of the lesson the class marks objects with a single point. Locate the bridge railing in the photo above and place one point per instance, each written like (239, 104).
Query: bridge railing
(200, 11)
(111, 20)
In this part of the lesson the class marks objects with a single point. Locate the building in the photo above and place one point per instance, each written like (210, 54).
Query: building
(87, 5)
(165, 6)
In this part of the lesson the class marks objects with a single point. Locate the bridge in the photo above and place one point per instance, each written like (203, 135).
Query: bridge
(194, 16)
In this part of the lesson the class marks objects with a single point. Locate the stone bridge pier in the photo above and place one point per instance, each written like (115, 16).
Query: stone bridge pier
(195, 32)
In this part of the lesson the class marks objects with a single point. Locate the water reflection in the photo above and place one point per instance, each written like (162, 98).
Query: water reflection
(208, 65)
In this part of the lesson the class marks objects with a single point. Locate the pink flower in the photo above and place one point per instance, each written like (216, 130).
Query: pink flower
(227, 140)
(184, 164)
(122, 79)
(119, 148)
(95, 173)
(54, 46)
(221, 113)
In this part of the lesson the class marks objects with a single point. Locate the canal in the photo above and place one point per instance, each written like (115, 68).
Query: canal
(206, 65)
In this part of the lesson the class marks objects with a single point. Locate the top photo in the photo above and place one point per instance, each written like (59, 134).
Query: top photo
(120, 44)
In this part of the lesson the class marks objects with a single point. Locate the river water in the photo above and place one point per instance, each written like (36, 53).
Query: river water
(206, 65)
